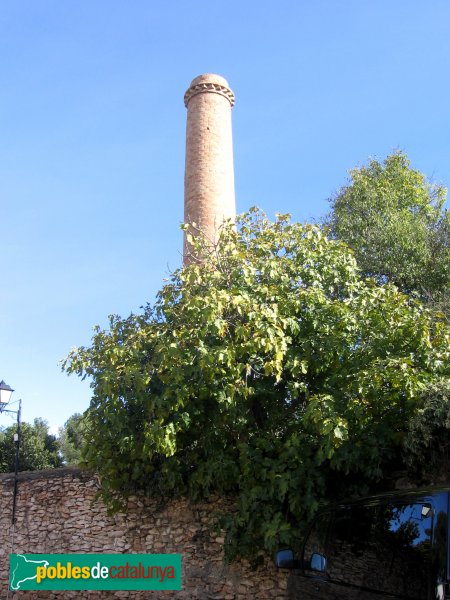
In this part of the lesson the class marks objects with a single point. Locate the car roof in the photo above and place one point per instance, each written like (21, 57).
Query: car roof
(424, 493)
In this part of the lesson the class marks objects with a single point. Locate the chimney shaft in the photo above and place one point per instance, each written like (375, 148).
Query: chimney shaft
(209, 174)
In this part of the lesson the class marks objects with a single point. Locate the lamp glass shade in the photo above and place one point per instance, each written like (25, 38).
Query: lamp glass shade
(5, 393)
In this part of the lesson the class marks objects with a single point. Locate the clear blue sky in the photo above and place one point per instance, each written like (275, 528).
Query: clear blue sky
(92, 127)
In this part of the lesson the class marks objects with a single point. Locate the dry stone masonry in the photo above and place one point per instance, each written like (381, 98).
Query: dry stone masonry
(56, 513)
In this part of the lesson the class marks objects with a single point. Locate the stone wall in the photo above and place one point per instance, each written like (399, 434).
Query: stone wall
(56, 513)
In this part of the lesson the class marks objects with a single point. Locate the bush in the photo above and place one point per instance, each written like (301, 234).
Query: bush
(427, 444)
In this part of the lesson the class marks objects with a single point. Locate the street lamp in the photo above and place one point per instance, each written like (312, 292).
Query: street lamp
(5, 396)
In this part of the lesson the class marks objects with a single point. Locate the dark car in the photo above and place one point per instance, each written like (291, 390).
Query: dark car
(388, 546)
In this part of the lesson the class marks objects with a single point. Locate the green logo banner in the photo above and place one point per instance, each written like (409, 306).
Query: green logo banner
(95, 571)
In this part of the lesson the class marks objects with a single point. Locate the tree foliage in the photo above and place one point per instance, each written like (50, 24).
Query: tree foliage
(271, 371)
(427, 443)
(395, 221)
(38, 449)
(72, 439)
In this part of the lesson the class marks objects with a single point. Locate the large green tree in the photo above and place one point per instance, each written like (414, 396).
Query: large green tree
(271, 371)
(395, 221)
(38, 448)
(71, 439)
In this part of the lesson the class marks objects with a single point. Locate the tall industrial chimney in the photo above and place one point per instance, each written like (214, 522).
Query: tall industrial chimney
(209, 174)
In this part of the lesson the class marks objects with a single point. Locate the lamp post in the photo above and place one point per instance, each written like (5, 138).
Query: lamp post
(5, 396)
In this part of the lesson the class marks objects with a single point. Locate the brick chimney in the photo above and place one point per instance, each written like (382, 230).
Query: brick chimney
(209, 174)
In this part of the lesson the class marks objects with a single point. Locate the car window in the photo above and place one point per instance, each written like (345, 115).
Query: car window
(316, 539)
(406, 542)
(349, 558)
(384, 548)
